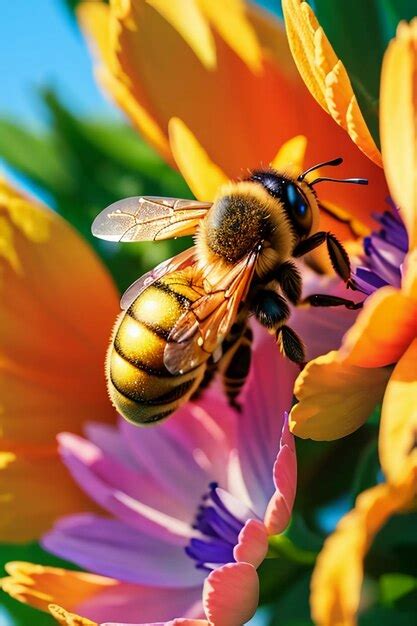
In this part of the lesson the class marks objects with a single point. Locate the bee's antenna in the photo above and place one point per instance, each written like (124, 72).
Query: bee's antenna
(337, 161)
(354, 181)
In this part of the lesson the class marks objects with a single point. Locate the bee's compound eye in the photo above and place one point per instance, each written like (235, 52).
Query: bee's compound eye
(298, 208)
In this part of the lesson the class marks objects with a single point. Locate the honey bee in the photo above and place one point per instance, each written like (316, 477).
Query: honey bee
(188, 318)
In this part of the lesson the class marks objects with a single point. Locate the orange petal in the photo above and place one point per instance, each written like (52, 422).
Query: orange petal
(146, 56)
(188, 20)
(399, 123)
(325, 75)
(235, 28)
(338, 575)
(40, 586)
(335, 398)
(68, 619)
(382, 331)
(202, 175)
(57, 308)
(398, 433)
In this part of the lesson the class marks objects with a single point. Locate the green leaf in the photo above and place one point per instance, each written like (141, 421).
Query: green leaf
(367, 468)
(292, 608)
(386, 616)
(393, 587)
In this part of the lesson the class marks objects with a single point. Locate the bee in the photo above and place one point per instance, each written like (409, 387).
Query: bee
(188, 318)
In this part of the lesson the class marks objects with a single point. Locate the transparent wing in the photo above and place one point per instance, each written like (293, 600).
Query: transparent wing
(176, 263)
(202, 328)
(148, 219)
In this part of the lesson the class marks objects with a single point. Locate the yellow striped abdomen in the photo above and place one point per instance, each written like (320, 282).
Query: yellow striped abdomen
(140, 386)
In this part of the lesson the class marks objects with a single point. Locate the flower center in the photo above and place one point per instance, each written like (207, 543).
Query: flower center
(220, 527)
(384, 253)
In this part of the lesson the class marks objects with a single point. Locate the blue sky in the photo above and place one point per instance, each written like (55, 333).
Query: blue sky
(40, 45)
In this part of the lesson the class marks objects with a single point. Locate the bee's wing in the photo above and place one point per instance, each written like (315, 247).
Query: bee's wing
(176, 263)
(148, 218)
(202, 328)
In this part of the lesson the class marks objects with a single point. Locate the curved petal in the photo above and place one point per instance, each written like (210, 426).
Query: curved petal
(202, 175)
(292, 152)
(98, 598)
(102, 479)
(52, 276)
(279, 509)
(265, 399)
(69, 619)
(399, 123)
(335, 398)
(230, 594)
(253, 543)
(325, 75)
(383, 330)
(338, 575)
(397, 437)
(111, 548)
(146, 53)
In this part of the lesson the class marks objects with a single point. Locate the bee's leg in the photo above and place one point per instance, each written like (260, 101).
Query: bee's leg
(324, 300)
(288, 277)
(290, 344)
(236, 367)
(338, 256)
(269, 308)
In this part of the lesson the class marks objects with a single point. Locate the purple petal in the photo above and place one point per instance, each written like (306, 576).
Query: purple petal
(111, 548)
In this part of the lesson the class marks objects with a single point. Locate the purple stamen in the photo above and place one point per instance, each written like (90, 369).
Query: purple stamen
(220, 529)
(384, 253)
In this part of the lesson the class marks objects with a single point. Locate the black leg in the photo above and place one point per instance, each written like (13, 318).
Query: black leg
(269, 308)
(338, 256)
(289, 279)
(324, 300)
(290, 344)
(237, 368)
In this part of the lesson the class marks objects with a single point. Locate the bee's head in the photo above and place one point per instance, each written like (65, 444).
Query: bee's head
(295, 196)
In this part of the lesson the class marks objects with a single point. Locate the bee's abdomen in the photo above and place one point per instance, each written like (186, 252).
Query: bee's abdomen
(141, 387)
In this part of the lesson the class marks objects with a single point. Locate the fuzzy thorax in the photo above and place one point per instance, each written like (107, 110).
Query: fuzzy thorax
(242, 217)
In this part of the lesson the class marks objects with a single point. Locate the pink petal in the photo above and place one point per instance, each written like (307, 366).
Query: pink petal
(265, 399)
(98, 475)
(188, 451)
(322, 329)
(280, 506)
(231, 594)
(111, 548)
(253, 543)
(135, 604)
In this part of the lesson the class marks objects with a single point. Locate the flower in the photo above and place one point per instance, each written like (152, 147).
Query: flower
(191, 500)
(57, 308)
(234, 86)
(338, 391)
(338, 575)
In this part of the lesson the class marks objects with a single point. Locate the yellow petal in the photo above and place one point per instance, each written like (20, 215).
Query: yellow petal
(52, 348)
(68, 619)
(40, 586)
(292, 153)
(338, 575)
(335, 398)
(94, 19)
(409, 278)
(325, 75)
(188, 20)
(398, 433)
(202, 175)
(399, 123)
(382, 331)
(235, 28)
